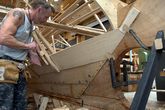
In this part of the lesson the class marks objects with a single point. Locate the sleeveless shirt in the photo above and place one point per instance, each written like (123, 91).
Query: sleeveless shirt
(23, 34)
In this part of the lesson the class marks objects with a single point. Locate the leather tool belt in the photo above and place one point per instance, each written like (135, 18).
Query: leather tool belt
(9, 70)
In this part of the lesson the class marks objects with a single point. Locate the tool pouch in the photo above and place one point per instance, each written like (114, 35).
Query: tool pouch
(9, 71)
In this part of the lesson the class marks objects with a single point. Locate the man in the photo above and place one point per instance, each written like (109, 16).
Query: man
(15, 42)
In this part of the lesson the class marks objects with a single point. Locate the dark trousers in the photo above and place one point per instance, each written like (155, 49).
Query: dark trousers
(13, 96)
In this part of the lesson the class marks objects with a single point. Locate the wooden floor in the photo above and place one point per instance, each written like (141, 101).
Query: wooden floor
(152, 104)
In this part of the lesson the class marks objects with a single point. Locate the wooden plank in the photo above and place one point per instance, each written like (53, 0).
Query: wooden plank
(44, 52)
(46, 43)
(78, 15)
(70, 82)
(68, 10)
(110, 7)
(95, 94)
(41, 53)
(75, 29)
(37, 99)
(64, 40)
(4, 9)
(53, 44)
(27, 3)
(62, 108)
(82, 10)
(86, 27)
(101, 88)
(56, 103)
(131, 16)
(130, 1)
(71, 14)
(122, 13)
(44, 103)
(3, 12)
(78, 20)
(85, 16)
(92, 50)
(63, 14)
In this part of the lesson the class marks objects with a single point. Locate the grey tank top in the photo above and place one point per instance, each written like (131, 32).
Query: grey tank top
(23, 34)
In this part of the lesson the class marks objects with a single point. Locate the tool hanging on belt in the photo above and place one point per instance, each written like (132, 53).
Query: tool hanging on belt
(9, 70)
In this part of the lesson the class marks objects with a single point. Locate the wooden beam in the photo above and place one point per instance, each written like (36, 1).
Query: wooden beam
(4, 10)
(53, 44)
(53, 64)
(86, 27)
(75, 29)
(48, 31)
(122, 13)
(64, 40)
(80, 11)
(41, 53)
(60, 42)
(27, 3)
(73, 12)
(85, 16)
(44, 102)
(64, 13)
(78, 20)
(46, 43)
(131, 16)
(37, 99)
(68, 10)
(41, 101)
(110, 7)
(76, 16)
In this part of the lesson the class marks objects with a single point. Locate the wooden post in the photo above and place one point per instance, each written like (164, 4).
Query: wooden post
(46, 43)
(41, 53)
(45, 53)
(53, 44)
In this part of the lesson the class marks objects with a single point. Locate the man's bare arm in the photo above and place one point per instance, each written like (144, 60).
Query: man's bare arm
(8, 30)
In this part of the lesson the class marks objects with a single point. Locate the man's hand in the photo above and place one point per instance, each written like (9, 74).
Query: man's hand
(33, 53)
(32, 45)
